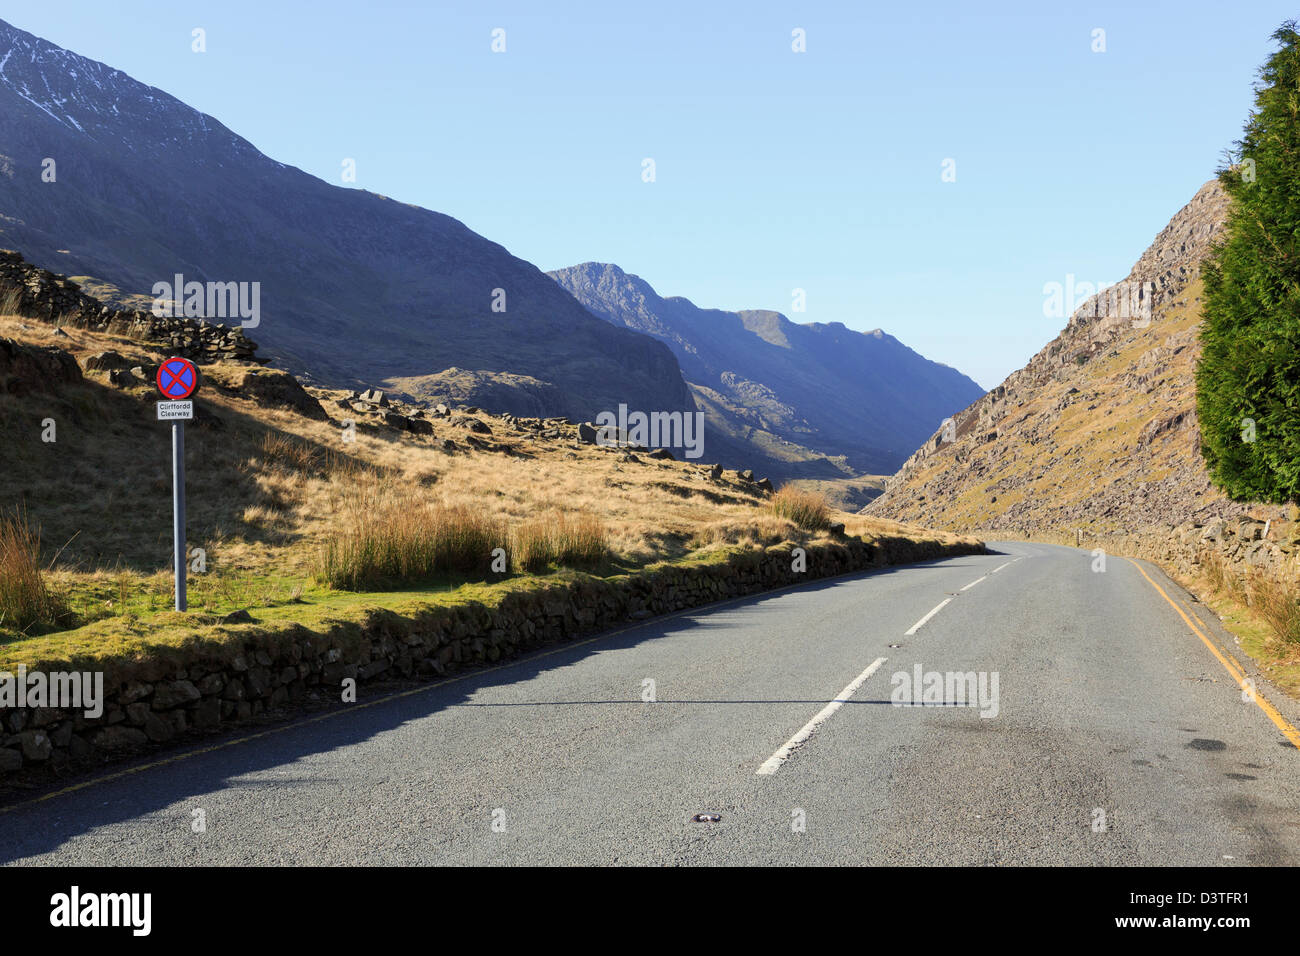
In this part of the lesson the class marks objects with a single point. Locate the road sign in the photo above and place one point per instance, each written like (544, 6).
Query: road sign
(175, 411)
(177, 378)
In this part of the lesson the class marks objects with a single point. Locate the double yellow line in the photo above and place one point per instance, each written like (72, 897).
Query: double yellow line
(1230, 665)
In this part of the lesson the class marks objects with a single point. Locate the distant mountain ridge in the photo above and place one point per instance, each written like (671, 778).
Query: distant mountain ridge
(356, 289)
(772, 384)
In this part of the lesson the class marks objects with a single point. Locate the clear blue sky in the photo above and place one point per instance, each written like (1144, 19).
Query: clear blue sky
(775, 170)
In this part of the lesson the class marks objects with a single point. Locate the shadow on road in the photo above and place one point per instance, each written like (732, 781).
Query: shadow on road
(133, 790)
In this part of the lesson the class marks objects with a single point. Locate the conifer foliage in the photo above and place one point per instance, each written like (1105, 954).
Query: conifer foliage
(1248, 378)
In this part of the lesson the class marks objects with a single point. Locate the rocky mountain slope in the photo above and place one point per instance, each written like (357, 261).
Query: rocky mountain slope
(814, 399)
(1098, 431)
(355, 288)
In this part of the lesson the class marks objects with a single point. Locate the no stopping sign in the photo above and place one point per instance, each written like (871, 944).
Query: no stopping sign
(177, 378)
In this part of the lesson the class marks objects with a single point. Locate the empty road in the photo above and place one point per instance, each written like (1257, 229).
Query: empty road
(1086, 722)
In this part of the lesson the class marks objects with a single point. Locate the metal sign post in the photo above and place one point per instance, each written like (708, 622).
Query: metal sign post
(177, 379)
(178, 510)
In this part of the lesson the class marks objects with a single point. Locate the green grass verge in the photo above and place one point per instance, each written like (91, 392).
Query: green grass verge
(340, 614)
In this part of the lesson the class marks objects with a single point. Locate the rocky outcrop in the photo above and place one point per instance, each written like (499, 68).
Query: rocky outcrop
(1164, 270)
(1243, 546)
(378, 409)
(1095, 441)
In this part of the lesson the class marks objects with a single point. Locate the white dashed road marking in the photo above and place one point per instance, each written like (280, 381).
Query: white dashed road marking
(921, 623)
(773, 763)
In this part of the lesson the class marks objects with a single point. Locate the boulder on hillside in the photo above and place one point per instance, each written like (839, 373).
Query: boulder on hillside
(374, 396)
(606, 436)
(407, 423)
(105, 361)
(279, 389)
(34, 368)
(471, 424)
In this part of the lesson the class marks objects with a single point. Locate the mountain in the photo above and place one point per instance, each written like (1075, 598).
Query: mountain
(815, 399)
(1098, 432)
(355, 288)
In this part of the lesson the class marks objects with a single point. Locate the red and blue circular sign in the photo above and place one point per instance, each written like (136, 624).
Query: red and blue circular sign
(177, 378)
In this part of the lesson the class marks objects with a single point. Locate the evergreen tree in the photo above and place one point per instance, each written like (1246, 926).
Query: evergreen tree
(1248, 379)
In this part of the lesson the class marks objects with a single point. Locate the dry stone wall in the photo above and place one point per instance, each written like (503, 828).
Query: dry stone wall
(49, 297)
(1245, 544)
(209, 685)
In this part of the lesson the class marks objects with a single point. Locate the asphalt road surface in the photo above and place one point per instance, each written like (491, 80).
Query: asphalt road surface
(1097, 727)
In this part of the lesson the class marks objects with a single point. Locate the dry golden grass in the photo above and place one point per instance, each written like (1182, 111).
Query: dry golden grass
(806, 509)
(283, 451)
(9, 300)
(1274, 601)
(391, 540)
(577, 540)
(277, 500)
(27, 602)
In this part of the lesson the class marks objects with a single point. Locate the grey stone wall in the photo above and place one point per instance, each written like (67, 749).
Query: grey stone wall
(211, 685)
(48, 297)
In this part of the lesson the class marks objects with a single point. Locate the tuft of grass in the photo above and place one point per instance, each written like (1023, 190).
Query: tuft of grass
(579, 540)
(10, 299)
(1279, 606)
(27, 602)
(807, 509)
(394, 541)
(1276, 603)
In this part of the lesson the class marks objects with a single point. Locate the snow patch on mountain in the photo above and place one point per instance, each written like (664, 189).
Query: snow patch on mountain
(92, 98)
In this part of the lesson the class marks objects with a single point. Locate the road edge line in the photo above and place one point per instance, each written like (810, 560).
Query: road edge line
(1237, 673)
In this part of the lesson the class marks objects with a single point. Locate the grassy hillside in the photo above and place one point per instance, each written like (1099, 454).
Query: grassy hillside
(273, 487)
(1108, 444)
